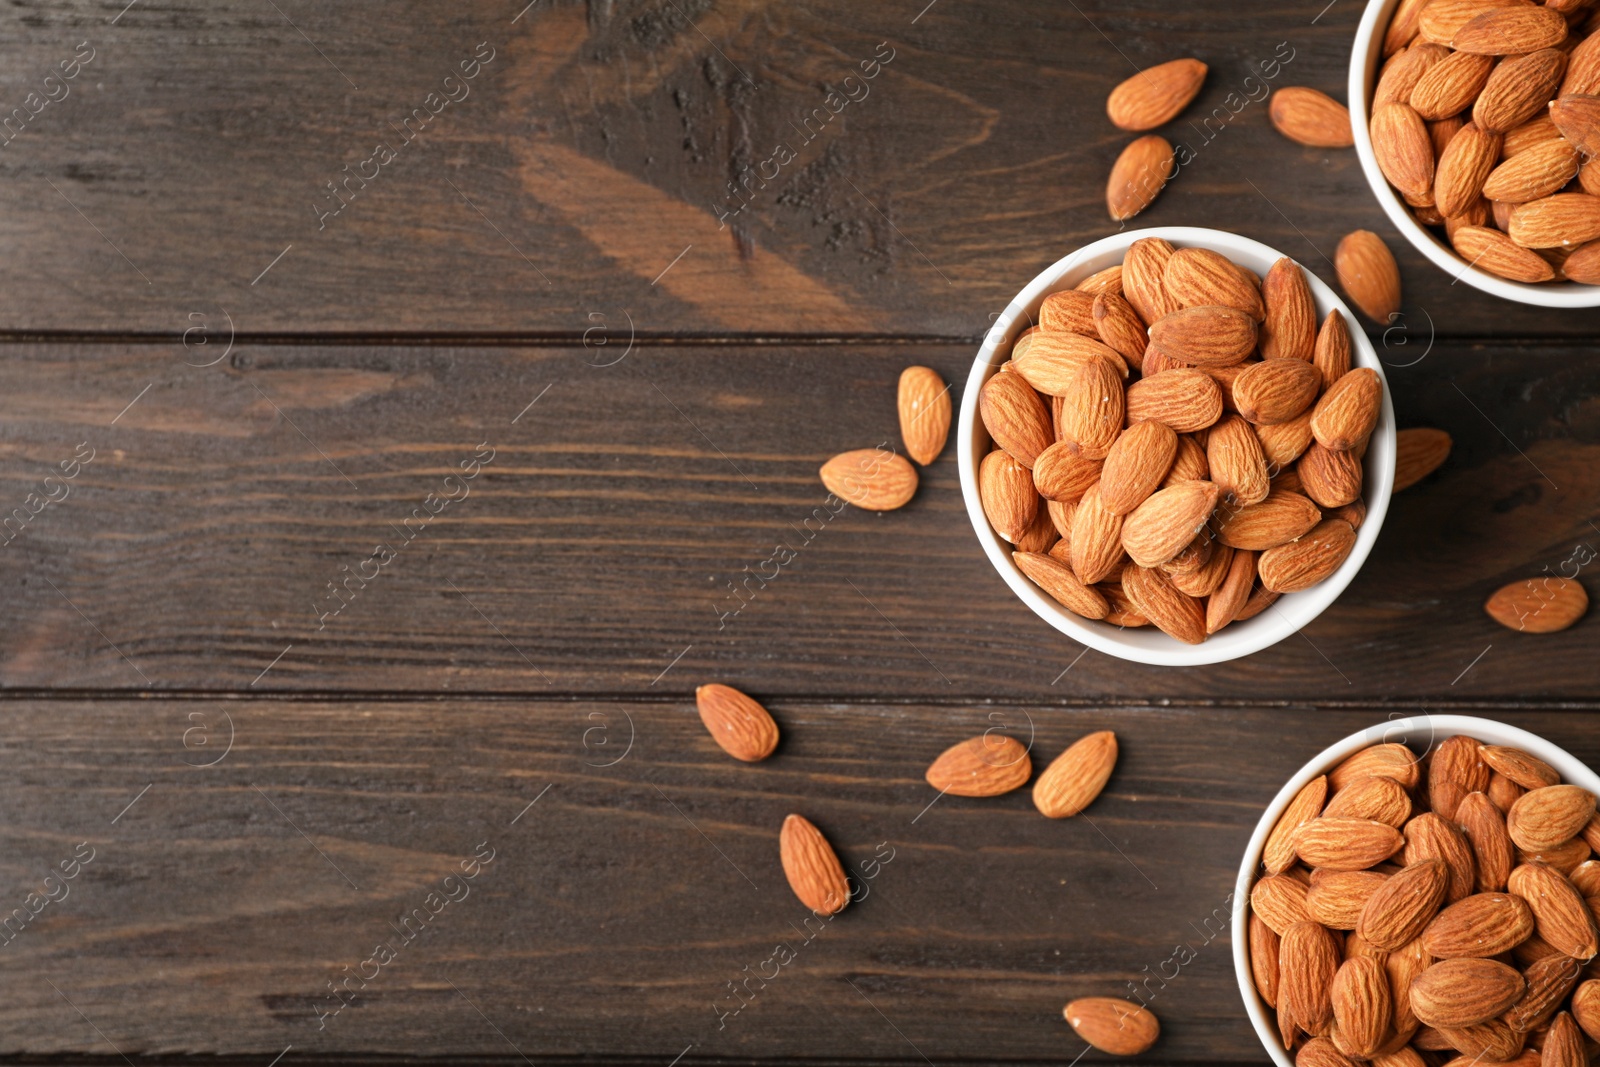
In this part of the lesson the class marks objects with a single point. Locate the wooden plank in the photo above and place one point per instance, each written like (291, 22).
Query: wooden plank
(616, 910)
(586, 168)
(595, 551)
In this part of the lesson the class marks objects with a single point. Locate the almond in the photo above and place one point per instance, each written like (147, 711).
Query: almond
(1450, 87)
(1237, 464)
(1118, 1027)
(1108, 280)
(1380, 799)
(1584, 263)
(1303, 563)
(1485, 830)
(1441, 20)
(1431, 836)
(1402, 907)
(1341, 844)
(1143, 270)
(1346, 414)
(1092, 406)
(1205, 335)
(1096, 538)
(1544, 818)
(1307, 962)
(1404, 964)
(1563, 1044)
(1259, 600)
(1526, 770)
(1264, 948)
(1076, 777)
(983, 766)
(1518, 90)
(1482, 925)
(1559, 913)
(1155, 95)
(1068, 311)
(1583, 68)
(1225, 604)
(1389, 760)
(1336, 898)
(1285, 442)
(1120, 328)
(1289, 330)
(1498, 254)
(1465, 167)
(1281, 901)
(1538, 606)
(1511, 30)
(1005, 488)
(1189, 465)
(1199, 277)
(1404, 152)
(1457, 768)
(1503, 793)
(1278, 854)
(1556, 221)
(1321, 1052)
(1487, 1042)
(1137, 462)
(1138, 176)
(1586, 1008)
(1015, 417)
(1186, 400)
(1548, 982)
(1311, 118)
(1122, 612)
(1362, 1007)
(1464, 992)
(1277, 520)
(1052, 360)
(813, 870)
(1157, 599)
(870, 478)
(1331, 478)
(1275, 390)
(1563, 858)
(1057, 579)
(1367, 270)
(1419, 452)
(1401, 74)
(1402, 30)
(742, 727)
(1159, 528)
(1063, 473)
(1534, 174)
(1039, 537)
(1529, 135)
(924, 404)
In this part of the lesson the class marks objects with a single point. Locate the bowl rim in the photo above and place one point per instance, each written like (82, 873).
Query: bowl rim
(1437, 727)
(1365, 59)
(1292, 611)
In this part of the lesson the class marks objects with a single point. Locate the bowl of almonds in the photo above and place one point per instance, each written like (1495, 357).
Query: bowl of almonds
(1174, 448)
(1422, 893)
(1476, 123)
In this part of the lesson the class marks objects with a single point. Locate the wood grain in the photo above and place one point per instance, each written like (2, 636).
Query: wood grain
(618, 907)
(606, 546)
(587, 167)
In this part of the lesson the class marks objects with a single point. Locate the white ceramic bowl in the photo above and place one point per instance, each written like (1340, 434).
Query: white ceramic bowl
(1365, 61)
(1419, 733)
(1147, 644)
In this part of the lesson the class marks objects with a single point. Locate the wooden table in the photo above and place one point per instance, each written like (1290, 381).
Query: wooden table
(540, 275)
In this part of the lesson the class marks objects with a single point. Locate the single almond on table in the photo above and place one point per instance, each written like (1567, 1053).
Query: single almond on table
(1346, 414)
(1015, 417)
(1138, 176)
(871, 478)
(924, 407)
(1005, 489)
(1205, 335)
(1058, 580)
(1136, 465)
(1155, 95)
(1174, 612)
(1118, 1027)
(1199, 277)
(1075, 778)
(1538, 605)
(1419, 451)
(1544, 818)
(812, 867)
(1368, 273)
(742, 727)
(983, 766)
(1311, 118)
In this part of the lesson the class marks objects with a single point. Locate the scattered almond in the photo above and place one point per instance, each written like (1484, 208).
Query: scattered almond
(871, 478)
(983, 766)
(1118, 1027)
(812, 867)
(924, 406)
(740, 725)
(1310, 117)
(1075, 778)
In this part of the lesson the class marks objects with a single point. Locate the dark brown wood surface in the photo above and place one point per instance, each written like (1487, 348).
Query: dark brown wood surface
(545, 279)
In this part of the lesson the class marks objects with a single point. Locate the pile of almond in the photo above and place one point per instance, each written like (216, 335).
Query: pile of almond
(1178, 442)
(1417, 910)
(1486, 119)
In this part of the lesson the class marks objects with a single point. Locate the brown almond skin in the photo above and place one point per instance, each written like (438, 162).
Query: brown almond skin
(1404, 964)
(1467, 162)
(1346, 414)
(1138, 176)
(1465, 992)
(1275, 390)
(1419, 451)
(1280, 518)
(1380, 799)
(1119, 1027)
(1057, 579)
(1549, 981)
(1404, 905)
(1096, 539)
(1005, 488)
(871, 478)
(1264, 959)
(1400, 76)
(1518, 90)
(1158, 529)
(1389, 760)
(1278, 853)
(1224, 605)
(1280, 900)
(1307, 963)
(1451, 86)
(1539, 605)
(1431, 835)
(924, 409)
(1586, 1008)
(739, 725)
(1404, 152)
(1545, 818)
(1285, 442)
(1312, 558)
(1205, 335)
(1336, 898)
(1197, 277)
(1538, 172)
(1311, 118)
(1563, 1044)
(1559, 913)
(1558, 221)
(1330, 478)
(1485, 829)
(1482, 925)
(1092, 407)
(1075, 778)
(1289, 329)
(1493, 251)
(1331, 354)
(1015, 417)
(812, 867)
(1342, 844)
(1457, 768)
(1510, 30)
(1368, 273)
(1143, 270)
(1063, 473)
(1138, 461)
(1120, 327)
(1068, 311)
(1528, 771)
(1321, 1052)
(984, 766)
(1362, 1005)
(1155, 95)
(1186, 400)
(1175, 613)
